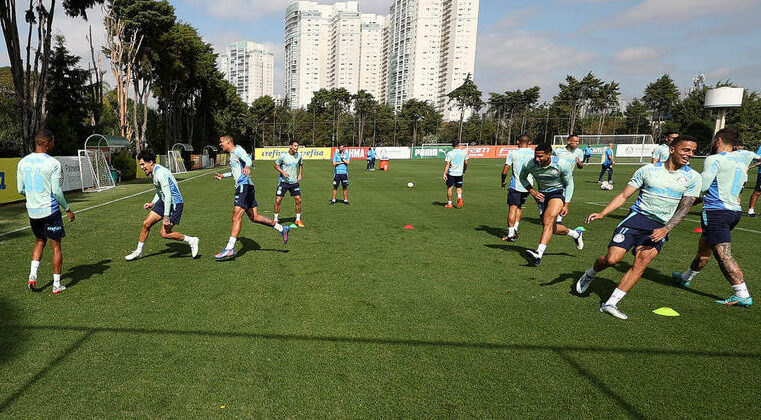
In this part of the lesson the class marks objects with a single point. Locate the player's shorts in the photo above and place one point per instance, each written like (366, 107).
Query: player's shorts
(758, 182)
(635, 231)
(454, 181)
(245, 196)
(342, 179)
(50, 227)
(718, 224)
(284, 187)
(516, 198)
(547, 197)
(174, 216)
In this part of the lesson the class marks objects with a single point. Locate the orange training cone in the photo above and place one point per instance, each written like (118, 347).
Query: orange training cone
(408, 227)
(698, 230)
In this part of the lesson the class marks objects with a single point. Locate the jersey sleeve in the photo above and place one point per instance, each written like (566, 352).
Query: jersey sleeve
(638, 178)
(20, 181)
(243, 157)
(523, 178)
(656, 153)
(567, 179)
(693, 190)
(55, 186)
(279, 160)
(448, 157)
(466, 156)
(509, 159)
(710, 169)
(167, 192)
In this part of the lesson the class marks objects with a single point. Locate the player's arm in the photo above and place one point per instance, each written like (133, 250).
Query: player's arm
(279, 168)
(579, 163)
(503, 175)
(55, 185)
(523, 179)
(446, 169)
(567, 179)
(20, 182)
(710, 170)
(339, 162)
(617, 201)
(301, 169)
(246, 162)
(465, 164)
(167, 192)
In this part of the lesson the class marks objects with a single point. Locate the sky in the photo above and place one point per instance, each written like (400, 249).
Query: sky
(523, 43)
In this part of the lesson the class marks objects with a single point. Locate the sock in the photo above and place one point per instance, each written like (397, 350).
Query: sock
(751, 211)
(573, 233)
(689, 275)
(332, 200)
(449, 202)
(741, 290)
(298, 216)
(187, 238)
(459, 196)
(516, 225)
(278, 227)
(510, 231)
(591, 272)
(33, 270)
(277, 216)
(139, 248)
(615, 297)
(231, 242)
(56, 280)
(540, 249)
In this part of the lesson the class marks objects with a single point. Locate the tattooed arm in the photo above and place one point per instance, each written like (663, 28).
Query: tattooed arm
(684, 207)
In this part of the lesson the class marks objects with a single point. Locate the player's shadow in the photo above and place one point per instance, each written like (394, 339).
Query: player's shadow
(493, 231)
(664, 280)
(79, 273)
(521, 250)
(439, 203)
(177, 249)
(601, 287)
(563, 278)
(252, 245)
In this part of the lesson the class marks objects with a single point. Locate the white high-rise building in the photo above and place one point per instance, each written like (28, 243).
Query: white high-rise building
(331, 46)
(249, 67)
(431, 50)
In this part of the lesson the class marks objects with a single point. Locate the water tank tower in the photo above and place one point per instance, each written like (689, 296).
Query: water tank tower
(721, 99)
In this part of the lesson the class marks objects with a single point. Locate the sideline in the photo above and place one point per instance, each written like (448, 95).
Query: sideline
(106, 203)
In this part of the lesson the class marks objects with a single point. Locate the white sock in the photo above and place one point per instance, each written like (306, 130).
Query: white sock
(573, 233)
(298, 216)
(187, 238)
(591, 272)
(33, 269)
(741, 290)
(449, 202)
(231, 242)
(459, 196)
(56, 280)
(139, 248)
(510, 231)
(615, 297)
(516, 225)
(751, 211)
(278, 227)
(277, 216)
(689, 274)
(540, 249)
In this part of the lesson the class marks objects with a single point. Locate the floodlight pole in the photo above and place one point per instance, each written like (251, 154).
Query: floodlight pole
(721, 120)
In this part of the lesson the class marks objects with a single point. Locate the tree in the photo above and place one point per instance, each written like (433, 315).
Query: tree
(575, 95)
(419, 116)
(660, 97)
(364, 106)
(30, 75)
(465, 97)
(605, 98)
(508, 105)
(636, 117)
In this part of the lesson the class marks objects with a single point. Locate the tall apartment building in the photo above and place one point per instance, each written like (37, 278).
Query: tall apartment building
(431, 50)
(249, 67)
(331, 46)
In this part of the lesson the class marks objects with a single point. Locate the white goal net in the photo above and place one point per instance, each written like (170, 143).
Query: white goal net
(176, 164)
(94, 171)
(628, 148)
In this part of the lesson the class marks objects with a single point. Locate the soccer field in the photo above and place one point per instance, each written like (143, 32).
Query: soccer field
(358, 317)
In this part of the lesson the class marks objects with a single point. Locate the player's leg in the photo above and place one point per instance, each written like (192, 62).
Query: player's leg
(450, 186)
(614, 256)
(39, 248)
(701, 259)
(278, 200)
(459, 195)
(610, 173)
(55, 246)
(551, 209)
(253, 214)
(335, 189)
(642, 259)
(297, 201)
(733, 274)
(345, 186)
(229, 250)
(754, 197)
(602, 172)
(145, 229)
(167, 230)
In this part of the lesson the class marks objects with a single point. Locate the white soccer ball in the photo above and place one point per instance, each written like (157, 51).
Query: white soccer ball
(410, 185)
(604, 185)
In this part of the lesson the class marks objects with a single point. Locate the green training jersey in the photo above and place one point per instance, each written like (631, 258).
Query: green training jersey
(564, 153)
(456, 159)
(39, 180)
(661, 190)
(166, 188)
(723, 177)
(556, 176)
(290, 164)
(517, 159)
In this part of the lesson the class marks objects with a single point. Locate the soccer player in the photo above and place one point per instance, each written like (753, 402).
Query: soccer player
(456, 163)
(166, 207)
(571, 151)
(662, 152)
(724, 173)
(607, 163)
(587, 154)
(554, 181)
(341, 161)
(38, 178)
(667, 191)
(516, 194)
(290, 166)
(245, 196)
(371, 159)
(756, 191)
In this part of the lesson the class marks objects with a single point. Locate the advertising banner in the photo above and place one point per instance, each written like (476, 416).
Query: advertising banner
(392, 153)
(354, 152)
(635, 150)
(430, 152)
(308, 153)
(8, 187)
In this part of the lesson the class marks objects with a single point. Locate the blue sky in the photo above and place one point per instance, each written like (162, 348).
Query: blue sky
(523, 43)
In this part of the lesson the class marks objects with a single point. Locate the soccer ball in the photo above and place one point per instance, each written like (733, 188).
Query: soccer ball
(410, 185)
(606, 186)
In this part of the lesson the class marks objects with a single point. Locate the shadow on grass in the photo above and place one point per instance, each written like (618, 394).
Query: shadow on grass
(493, 231)
(522, 251)
(439, 203)
(12, 339)
(563, 352)
(177, 249)
(664, 280)
(252, 245)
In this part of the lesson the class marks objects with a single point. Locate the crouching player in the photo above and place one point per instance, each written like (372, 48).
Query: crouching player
(667, 191)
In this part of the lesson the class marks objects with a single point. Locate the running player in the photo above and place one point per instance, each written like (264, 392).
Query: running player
(570, 152)
(516, 194)
(341, 161)
(724, 173)
(554, 181)
(454, 169)
(607, 164)
(166, 207)
(667, 191)
(662, 152)
(290, 166)
(38, 178)
(245, 196)
(756, 190)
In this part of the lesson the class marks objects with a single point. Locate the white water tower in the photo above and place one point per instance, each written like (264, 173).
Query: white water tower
(721, 99)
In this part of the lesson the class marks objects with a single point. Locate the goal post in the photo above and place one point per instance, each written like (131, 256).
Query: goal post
(627, 148)
(176, 163)
(94, 171)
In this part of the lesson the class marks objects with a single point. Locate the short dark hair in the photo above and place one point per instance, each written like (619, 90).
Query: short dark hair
(229, 137)
(524, 139)
(455, 143)
(572, 135)
(683, 138)
(670, 132)
(543, 147)
(147, 155)
(341, 144)
(729, 135)
(43, 137)
(293, 141)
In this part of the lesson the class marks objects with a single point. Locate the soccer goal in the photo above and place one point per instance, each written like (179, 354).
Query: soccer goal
(630, 149)
(94, 171)
(176, 164)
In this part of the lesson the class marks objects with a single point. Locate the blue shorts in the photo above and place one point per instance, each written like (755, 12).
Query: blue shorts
(718, 224)
(550, 196)
(50, 227)
(516, 198)
(245, 197)
(342, 179)
(454, 181)
(174, 216)
(635, 231)
(284, 187)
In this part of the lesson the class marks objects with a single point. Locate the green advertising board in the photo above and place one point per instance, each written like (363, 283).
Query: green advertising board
(430, 152)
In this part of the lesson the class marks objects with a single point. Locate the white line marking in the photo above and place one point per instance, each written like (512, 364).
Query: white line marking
(106, 203)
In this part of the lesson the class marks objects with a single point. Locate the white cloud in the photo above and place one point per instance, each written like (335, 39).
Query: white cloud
(636, 55)
(255, 9)
(648, 11)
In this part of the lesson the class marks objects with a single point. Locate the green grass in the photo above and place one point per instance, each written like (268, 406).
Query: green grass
(357, 317)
